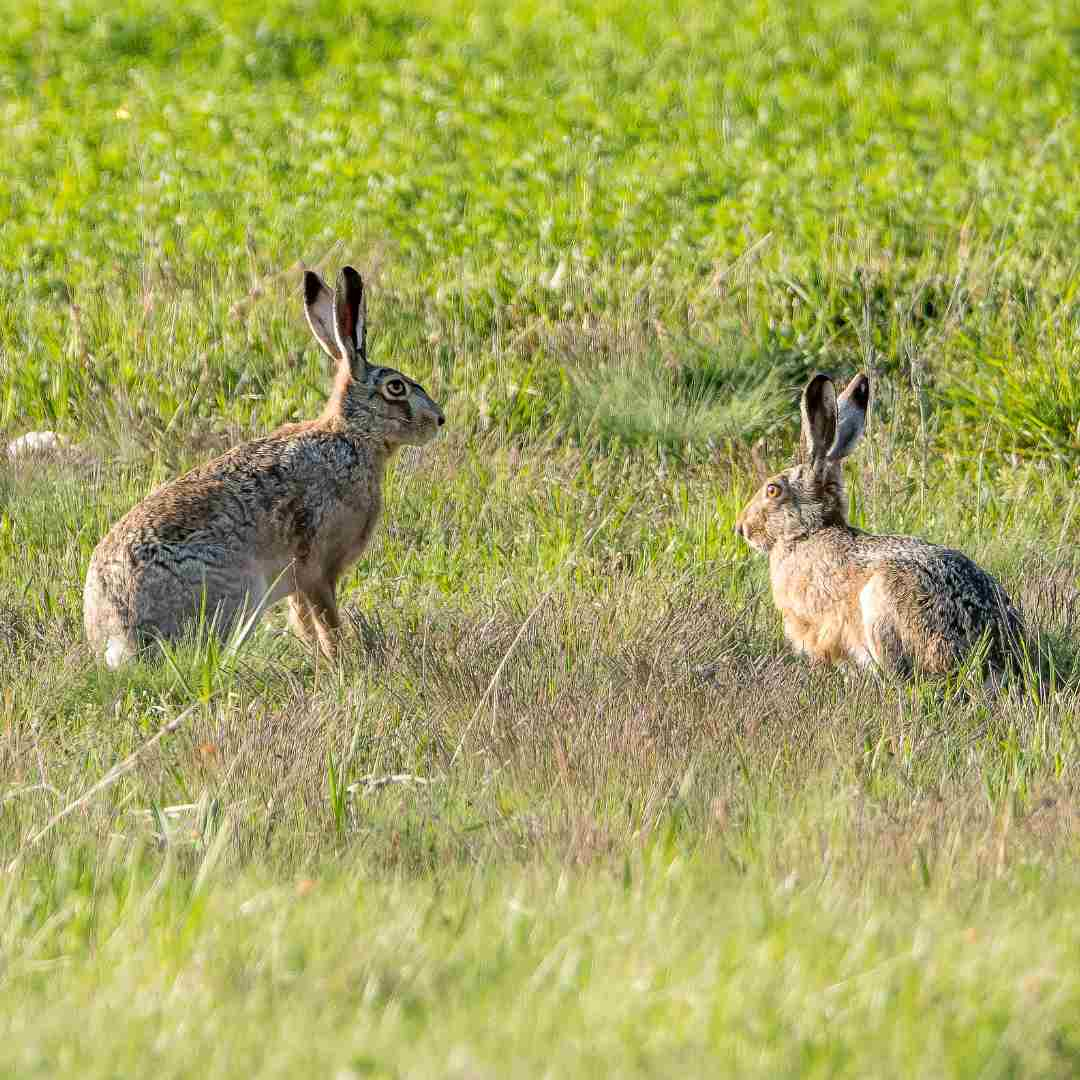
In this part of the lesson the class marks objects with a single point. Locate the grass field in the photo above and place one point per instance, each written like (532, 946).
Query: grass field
(567, 805)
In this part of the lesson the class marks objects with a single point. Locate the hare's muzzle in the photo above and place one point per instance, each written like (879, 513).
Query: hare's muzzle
(744, 532)
(430, 414)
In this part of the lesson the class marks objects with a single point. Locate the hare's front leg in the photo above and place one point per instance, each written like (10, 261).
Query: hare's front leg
(300, 619)
(314, 622)
(320, 608)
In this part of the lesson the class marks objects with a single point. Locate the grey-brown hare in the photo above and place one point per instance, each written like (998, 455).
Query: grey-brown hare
(281, 516)
(845, 595)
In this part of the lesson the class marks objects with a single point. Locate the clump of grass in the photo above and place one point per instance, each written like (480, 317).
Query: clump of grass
(644, 384)
(1029, 398)
(682, 412)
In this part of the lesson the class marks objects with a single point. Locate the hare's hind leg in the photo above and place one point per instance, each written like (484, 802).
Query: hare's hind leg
(213, 599)
(882, 637)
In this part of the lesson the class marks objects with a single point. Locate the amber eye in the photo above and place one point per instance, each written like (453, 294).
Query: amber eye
(394, 388)
(773, 490)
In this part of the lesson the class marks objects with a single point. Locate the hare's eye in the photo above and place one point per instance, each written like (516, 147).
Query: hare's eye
(395, 388)
(772, 491)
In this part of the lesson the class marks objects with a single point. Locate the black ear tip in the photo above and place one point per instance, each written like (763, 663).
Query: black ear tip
(312, 286)
(861, 393)
(351, 280)
(818, 387)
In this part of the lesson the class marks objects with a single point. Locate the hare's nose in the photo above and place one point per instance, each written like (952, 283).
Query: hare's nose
(738, 528)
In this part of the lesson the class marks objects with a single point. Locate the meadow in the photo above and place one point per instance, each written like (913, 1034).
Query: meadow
(567, 805)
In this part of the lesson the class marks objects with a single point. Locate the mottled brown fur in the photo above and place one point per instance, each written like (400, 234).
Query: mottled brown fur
(847, 596)
(282, 516)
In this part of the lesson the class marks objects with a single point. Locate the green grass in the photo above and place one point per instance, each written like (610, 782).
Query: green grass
(567, 805)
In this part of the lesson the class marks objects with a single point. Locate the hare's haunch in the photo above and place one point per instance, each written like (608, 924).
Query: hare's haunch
(282, 516)
(848, 596)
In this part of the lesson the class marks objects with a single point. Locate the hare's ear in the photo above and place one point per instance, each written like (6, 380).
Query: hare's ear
(818, 419)
(759, 461)
(319, 309)
(850, 417)
(350, 319)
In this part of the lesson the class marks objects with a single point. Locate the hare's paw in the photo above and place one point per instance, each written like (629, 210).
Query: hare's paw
(314, 608)
(312, 627)
(300, 618)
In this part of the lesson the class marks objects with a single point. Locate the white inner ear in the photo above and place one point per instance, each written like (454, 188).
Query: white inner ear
(850, 427)
(348, 349)
(320, 317)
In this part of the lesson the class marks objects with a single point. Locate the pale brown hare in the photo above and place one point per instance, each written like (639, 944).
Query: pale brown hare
(847, 596)
(281, 516)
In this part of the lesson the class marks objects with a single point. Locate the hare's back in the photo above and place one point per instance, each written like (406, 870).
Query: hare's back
(243, 497)
(204, 515)
(943, 593)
